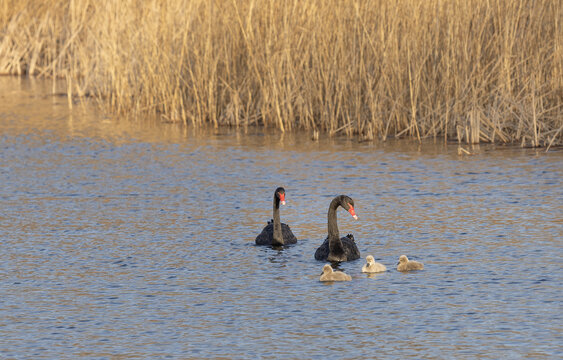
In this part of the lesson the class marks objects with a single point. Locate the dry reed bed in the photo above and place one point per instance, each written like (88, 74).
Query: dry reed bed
(469, 70)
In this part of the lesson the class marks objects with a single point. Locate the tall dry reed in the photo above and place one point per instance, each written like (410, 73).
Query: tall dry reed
(466, 70)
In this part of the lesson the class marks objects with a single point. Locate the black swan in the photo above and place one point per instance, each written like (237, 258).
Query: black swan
(334, 248)
(276, 233)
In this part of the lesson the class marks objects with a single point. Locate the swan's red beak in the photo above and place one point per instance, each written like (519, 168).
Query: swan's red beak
(282, 199)
(353, 212)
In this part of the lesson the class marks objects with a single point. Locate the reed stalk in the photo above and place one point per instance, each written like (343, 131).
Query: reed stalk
(465, 70)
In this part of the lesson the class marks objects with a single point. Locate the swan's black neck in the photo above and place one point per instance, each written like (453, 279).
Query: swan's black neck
(277, 236)
(334, 242)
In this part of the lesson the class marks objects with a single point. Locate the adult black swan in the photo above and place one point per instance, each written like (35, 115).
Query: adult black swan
(335, 248)
(276, 233)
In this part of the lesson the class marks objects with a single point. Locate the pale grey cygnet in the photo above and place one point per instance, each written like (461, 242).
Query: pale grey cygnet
(405, 264)
(330, 275)
(372, 266)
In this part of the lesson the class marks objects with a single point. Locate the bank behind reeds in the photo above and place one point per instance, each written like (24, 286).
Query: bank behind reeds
(471, 70)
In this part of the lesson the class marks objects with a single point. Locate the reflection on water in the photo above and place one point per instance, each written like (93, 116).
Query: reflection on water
(131, 238)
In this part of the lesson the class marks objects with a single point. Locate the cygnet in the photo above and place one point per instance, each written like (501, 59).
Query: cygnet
(331, 275)
(372, 266)
(405, 264)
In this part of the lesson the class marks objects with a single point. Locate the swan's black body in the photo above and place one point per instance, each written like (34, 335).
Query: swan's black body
(276, 233)
(266, 237)
(334, 248)
(347, 251)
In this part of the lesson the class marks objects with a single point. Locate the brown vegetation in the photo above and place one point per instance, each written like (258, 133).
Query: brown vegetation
(469, 70)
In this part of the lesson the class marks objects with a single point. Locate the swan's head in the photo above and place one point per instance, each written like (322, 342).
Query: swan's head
(348, 204)
(280, 194)
(403, 259)
(327, 269)
(370, 260)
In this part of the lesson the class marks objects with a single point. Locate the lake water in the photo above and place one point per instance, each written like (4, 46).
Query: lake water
(129, 239)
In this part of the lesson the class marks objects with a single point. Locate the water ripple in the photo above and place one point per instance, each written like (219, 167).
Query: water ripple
(142, 246)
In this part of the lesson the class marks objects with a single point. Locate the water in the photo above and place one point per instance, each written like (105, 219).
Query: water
(135, 239)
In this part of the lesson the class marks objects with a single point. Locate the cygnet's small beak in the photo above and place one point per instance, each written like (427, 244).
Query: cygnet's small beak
(282, 199)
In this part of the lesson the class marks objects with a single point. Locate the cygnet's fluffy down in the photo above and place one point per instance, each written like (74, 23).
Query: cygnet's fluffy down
(372, 266)
(405, 264)
(331, 275)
